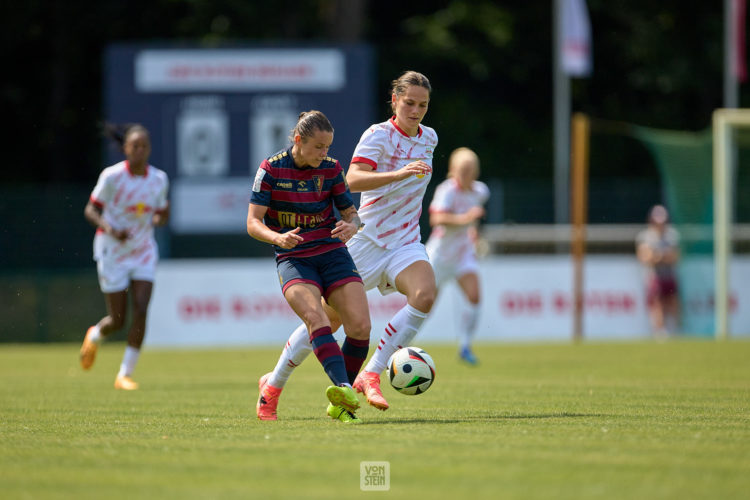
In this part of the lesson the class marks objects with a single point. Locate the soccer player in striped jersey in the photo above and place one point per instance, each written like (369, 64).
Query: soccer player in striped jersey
(129, 199)
(392, 166)
(292, 207)
(455, 211)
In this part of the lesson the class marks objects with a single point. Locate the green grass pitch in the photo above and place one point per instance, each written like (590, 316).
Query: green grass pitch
(546, 421)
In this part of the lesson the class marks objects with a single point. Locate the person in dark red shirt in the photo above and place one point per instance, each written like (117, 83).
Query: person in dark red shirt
(292, 207)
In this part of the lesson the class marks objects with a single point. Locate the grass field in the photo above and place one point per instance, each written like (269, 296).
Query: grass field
(604, 420)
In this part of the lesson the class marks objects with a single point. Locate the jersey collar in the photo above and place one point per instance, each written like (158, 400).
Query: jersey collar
(393, 122)
(127, 166)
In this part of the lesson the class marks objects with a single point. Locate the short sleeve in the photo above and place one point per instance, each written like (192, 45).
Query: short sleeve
(443, 199)
(161, 201)
(370, 148)
(482, 191)
(342, 198)
(673, 237)
(104, 189)
(260, 193)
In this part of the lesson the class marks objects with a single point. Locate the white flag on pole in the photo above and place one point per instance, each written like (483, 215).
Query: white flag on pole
(576, 38)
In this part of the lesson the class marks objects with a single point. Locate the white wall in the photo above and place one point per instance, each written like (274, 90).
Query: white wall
(239, 302)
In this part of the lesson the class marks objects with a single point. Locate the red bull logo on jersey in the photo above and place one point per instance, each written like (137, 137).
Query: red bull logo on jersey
(139, 209)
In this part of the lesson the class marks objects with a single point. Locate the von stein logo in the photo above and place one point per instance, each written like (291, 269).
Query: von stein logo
(374, 476)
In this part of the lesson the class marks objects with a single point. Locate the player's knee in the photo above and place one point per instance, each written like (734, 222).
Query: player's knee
(359, 329)
(314, 320)
(424, 299)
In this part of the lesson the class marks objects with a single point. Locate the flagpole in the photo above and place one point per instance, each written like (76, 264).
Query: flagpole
(561, 98)
(731, 90)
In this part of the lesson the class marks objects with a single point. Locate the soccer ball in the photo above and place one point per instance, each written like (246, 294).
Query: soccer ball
(411, 371)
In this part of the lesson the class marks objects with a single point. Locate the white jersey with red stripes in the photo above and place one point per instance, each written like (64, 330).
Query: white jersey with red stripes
(451, 243)
(391, 213)
(129, 202)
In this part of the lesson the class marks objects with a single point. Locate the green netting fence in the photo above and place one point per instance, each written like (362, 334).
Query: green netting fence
(685, 163)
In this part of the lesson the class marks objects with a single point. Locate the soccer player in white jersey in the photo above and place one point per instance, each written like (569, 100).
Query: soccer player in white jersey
(455, 211)
(129, 199)
(391, 166)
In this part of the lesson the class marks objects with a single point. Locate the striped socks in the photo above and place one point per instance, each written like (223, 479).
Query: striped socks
(329, 354)
(355, 354)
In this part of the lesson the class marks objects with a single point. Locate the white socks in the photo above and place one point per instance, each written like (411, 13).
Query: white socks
(469, 319)
(297, 348)
(399, 333)
(129, 361)
(96, 335)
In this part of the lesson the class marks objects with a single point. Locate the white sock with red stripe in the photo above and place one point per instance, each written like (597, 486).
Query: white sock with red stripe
(469, 320)
(399, 333)
(297, 348)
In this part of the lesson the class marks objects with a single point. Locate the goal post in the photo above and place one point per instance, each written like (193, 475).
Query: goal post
(725, 122)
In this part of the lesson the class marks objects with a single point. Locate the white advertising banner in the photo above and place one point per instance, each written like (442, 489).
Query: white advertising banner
(209, 205)
(215, 303)
(239, 70)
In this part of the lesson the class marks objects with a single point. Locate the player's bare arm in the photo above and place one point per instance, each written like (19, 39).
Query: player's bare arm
(362, 177)
(161, 217)
(258, 230)
(450, 219)
(348, 225)
(93, 214)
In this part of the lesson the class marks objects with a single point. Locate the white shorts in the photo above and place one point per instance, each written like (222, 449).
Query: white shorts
(379, 267)
(448, 270)
(116, 274)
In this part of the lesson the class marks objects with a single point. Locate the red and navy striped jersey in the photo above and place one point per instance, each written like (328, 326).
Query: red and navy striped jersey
(301, 197)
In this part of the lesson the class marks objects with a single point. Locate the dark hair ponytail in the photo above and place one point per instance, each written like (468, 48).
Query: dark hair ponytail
(119, 132)
(310, 121)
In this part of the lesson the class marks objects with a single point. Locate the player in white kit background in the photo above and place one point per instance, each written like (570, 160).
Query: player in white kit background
(391, 167)
(129, 199)
(455, 212)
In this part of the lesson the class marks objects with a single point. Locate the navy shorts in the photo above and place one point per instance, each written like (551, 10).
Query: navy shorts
(327, 271)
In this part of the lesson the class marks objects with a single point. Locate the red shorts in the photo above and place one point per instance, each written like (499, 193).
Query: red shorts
(660, 288)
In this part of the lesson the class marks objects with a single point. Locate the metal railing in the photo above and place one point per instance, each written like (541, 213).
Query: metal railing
(600, 238)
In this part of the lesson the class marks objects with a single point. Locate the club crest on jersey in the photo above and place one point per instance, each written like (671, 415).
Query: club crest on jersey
(318, 180)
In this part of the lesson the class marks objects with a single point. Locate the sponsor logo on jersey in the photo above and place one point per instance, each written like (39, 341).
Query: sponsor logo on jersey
(293, 219)
(139, 209)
